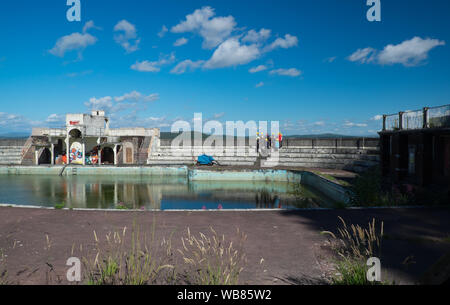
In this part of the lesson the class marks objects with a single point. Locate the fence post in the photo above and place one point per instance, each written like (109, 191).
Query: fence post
(384, 122)
(425, 117)
(400, 120)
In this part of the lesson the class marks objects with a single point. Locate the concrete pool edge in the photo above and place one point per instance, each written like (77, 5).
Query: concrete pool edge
(329, 188)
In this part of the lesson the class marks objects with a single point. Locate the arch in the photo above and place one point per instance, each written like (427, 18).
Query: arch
(45, 156)
(75, 133)
(107, 155)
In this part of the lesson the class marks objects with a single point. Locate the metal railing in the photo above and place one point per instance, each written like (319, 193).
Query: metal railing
(428, 117)
(439, 117)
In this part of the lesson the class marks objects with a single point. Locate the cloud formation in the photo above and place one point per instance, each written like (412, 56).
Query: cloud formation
(232, 53)
(293, 72)
(73, 42)
(408, 53)
(181, 41)
(126, 36)
(213, 30)
(153, 66)
(187, 65)
(257, 69)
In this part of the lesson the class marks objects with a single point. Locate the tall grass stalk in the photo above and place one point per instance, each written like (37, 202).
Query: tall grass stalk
(354, 245)
(211, 260)
(145, 261)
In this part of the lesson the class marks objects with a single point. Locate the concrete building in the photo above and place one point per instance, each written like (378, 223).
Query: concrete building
(87, 139)
(415, 146)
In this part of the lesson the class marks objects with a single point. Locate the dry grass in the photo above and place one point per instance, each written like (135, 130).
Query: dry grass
(146, 261)
(211, 260)
(354, 245)
(357, 242)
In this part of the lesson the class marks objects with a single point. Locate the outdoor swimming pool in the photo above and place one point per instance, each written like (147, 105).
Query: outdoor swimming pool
(155, 193)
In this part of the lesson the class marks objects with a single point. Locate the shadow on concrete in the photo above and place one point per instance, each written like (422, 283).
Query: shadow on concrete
(414, 238)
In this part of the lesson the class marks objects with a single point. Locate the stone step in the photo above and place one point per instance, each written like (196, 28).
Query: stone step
(328, 150)
(168, 158)
(322, 159)
(330, 156)
(289, 161)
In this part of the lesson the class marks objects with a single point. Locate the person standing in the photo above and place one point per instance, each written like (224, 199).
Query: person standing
(280, 139)
(257, 142)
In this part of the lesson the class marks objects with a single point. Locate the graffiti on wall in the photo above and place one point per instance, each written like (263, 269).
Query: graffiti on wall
(76, 153)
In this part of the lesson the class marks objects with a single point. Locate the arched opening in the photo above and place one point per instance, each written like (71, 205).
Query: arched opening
(45, 157)
(107, 155)
(75, 133)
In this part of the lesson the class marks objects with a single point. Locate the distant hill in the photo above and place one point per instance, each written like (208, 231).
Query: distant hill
(326, 135)
(15, 135)
(171, 136)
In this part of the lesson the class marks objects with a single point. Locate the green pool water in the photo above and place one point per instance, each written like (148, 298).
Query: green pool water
(150, 193)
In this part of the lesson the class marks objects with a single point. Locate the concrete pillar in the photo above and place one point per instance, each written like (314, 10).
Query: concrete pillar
(67, 149)
(425, 117)
(52, 153)
(400, 120)
(100, 156)
(83, 148)
(36, 155)
(115, 154)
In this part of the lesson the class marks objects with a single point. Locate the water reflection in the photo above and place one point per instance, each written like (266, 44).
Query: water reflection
(135, 192)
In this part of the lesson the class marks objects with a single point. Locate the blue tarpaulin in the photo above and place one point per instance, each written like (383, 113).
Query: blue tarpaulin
(205, 160)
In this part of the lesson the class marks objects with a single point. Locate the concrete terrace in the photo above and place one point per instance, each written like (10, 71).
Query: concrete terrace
(290, 243)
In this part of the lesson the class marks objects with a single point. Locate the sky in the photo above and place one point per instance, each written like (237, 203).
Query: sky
(314, 66)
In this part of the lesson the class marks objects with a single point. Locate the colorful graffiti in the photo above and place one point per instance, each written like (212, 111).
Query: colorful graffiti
(76, 153)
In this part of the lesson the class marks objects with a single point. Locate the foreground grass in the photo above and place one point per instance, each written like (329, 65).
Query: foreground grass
(204, 259)
(353, 246)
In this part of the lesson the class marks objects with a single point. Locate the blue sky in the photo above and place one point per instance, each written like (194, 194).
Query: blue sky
(315, 66)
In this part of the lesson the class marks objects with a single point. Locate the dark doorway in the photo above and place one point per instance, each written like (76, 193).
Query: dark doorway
(107, 155)
(45, 157)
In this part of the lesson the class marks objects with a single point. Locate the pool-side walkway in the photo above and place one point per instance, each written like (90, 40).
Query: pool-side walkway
(288, 241)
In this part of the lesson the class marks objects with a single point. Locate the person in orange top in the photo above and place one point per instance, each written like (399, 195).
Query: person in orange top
(280, 139)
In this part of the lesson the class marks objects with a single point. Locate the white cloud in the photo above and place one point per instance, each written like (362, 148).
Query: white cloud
(330, 59)
(232, 53)
(137, 96)
(163, 31)
(319, 123)
(128, 37)
(363, 55)
(287, 72)
(55, 118)
(181, 41)
(287, 42)
(260, 84)
(145, 66)
(408, 53)
(185, 65)
(132, 101)
(377, 117)
(153, 66)
(90, 25)
(11, 122)
(352, 124)
(258, 69)
(213, 30)
(257, 37)
(74, 41)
